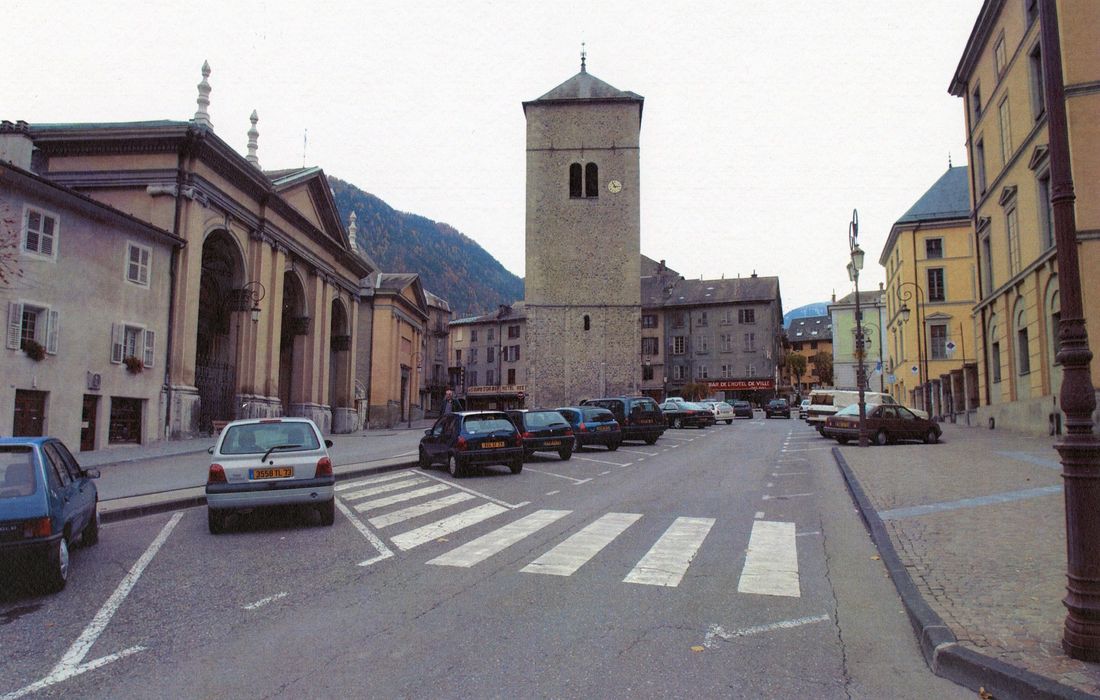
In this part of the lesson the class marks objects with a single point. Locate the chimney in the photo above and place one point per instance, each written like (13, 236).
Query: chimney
(16, 146)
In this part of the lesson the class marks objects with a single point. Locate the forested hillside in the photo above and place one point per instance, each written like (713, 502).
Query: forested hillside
(450, 264)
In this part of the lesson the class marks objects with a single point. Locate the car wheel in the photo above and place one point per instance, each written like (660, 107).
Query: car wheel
(881, 438)
(612, 446)
(215, 521)
(576, 444)
(57, 566)
(517, 465)
(327, 511)
(565, 454)
(729, 421)
(930, 438)
(424, 461)
(455, 467)
(842, 440)
(90, 534)
(651, 441)
(677, 423)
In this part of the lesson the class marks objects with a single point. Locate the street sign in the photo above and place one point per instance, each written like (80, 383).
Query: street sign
(914, 369)
(950, 347)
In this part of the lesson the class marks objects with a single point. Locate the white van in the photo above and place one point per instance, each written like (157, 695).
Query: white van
(826, 402)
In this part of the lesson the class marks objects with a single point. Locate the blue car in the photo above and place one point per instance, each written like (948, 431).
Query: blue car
(472, 438)
(592, 426)
(47, 503)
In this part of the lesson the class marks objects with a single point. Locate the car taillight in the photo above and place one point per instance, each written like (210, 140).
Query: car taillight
(461, 443)
(528, 436)
(324, 467)
(216, 475)
(519, 440)
(581, 428)
(568, 432)
(40, 527)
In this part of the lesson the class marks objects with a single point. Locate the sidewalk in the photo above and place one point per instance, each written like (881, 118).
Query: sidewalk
(972, 531)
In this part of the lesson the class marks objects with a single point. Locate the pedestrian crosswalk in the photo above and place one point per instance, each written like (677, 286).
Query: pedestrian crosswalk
(407, 499)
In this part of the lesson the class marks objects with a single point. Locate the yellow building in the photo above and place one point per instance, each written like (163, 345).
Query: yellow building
(808, 336)
(397, 339)
(930, 291)
(1001, 81)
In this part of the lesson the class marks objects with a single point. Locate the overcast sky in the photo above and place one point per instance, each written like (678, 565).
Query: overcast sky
(765, 123)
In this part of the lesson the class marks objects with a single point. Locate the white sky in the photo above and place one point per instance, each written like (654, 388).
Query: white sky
(765, 123)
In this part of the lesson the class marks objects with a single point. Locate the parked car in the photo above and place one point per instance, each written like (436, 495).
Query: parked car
(721, 410)
(803, 408)
(885, 423)
(269, 462)
(47, 504)
(682, 414)
(827, 402)
(461, 440)
(639, 417)
(592, 426)
(742, 409)
(777, 407)
(543, 430)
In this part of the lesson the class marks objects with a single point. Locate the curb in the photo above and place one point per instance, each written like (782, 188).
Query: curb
(939, 645)
(162, 506)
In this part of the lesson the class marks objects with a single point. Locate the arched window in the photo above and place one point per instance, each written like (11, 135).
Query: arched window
(1054, 313)
(993, 348)
(591, 180)
(587, 322)
(575, 180)
(1023, 350)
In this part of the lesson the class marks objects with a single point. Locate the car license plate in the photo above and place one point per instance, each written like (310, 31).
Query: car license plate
(603, 427)
(645, 421)
(272, 473)
(493, 443)
(553, 443)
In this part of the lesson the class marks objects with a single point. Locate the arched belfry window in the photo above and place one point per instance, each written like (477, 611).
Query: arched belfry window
(575, 180)
(587, 322)
(591, 180)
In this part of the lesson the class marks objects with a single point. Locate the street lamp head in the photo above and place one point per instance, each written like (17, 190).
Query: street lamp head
(905, 313)
(255, 313)
(857, 257)
(853, 273)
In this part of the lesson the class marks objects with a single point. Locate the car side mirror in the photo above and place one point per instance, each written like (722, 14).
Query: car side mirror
(328, 443)
(210, 450)
(428, 431)
(91, 473)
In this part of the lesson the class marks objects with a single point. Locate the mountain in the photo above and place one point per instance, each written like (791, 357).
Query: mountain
(450, 264)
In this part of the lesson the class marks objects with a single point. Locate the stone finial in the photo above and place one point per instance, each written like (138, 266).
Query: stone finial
(352, 229)
(202, 116)
(253, 141)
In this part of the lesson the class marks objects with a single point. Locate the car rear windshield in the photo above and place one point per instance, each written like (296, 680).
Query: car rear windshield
(821, 400)
(257, 438)
(645, 405)
(542, 419)
(480, 425)
(16, 471)
(599, 414)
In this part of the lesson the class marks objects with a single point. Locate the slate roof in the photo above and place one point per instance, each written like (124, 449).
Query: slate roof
(437, 301)
(810, 328)
(673, 290)
(585, 86)
(394, 281)
(516, 312)
(949, 198)
(871, 298)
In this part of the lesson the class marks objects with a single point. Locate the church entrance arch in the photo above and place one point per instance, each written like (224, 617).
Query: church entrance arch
(339, 354)
(295, 327)
(215, 341)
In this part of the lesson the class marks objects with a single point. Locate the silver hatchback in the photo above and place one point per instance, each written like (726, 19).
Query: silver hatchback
(269, 462)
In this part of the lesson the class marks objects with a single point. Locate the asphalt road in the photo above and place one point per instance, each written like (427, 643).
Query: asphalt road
(726, 562)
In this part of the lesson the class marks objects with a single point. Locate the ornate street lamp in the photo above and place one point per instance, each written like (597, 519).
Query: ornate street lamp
(861, 372)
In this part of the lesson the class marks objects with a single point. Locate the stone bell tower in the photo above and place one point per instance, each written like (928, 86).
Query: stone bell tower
(583, 266)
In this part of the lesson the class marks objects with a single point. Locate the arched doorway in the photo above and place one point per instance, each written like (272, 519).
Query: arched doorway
(215, 335)
(295, 326)
(339, 353)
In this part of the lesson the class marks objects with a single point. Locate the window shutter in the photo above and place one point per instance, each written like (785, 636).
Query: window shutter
(116, 342)
(150, 339)
(52, 320)
(15, 324)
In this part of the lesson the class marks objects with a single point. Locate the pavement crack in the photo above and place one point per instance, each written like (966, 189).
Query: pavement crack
(835, 612)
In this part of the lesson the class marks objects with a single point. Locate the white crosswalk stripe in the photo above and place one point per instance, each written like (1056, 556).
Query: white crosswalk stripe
(497, 541)
(771, 563)
(446, 526)
(384, 488)
(418, 510)
(372, 480)
(573, 553)
(668, 560)
(399, 498)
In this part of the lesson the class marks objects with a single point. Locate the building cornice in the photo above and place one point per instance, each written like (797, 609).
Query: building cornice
(975, 45)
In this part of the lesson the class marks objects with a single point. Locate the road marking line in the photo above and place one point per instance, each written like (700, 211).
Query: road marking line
(677, 437)
(716, 631)
(784, 496)
(384, 488)
(453, 485)
(603, 473)
(809, 449)
(384, 552)
(1009, 497)
(790, 473)
(597, 461)
(498, 540)
(560, 476)
(552, 493)
(264, 601)
(759, 515)
(432, 531)
(771, 562)
(808, 534)
(667, 561)
(399, 498)
(373, 480)
(639, 452)
(573, 553)
(71, 663)
(400, 516)
(769, 485)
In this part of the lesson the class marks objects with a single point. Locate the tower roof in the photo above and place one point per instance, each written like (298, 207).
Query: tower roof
(585, 86)
(949, 198)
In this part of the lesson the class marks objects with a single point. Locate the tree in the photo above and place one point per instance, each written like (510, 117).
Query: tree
(796, 365)
(9, 246)
(823, 367)
(694, 391)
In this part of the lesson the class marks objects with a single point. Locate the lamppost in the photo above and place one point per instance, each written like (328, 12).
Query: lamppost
(1079, 449)
(854, 267)
(905, 295)
(881, 366)
(247, 298)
